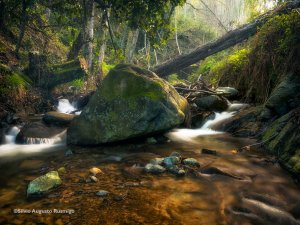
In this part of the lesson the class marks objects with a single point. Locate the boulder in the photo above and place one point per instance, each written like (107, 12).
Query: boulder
(282, 98)
(41, 185)
(282, 138)
(39, 133)
(228, 92)
(58, 119)
(131, 102)
(212, 103)
(246, 123)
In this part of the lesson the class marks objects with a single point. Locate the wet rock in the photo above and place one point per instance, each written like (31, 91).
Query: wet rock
(31, 164)
(155, 169)
(217, 171)
(94, 179)
(246, 123)
(191, 162)
(102, 193)
(58, 119)
(39, 133)
(283, 94)
(228, 92)
(176, 170)
(131, 102)
(177, 154)
(282, 138)
(199, 117)
(157, 161)
(208, 151)
(43, 184)
(212, 103)
(2, 136)
(151, 141)
(171, 161)
(95, 171)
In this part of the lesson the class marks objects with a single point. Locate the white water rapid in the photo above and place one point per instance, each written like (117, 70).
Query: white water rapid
(189, 135)
(64, 106)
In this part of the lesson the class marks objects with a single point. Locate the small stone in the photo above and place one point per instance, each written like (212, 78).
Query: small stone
(68, 152)
(171, 161)
(151, 141)
(155, 169)
(208, 151)
(93, 178)
(88, 180)
(157, 161)
(191, 162)
(177, 154)
(43, 184)
(176, 170)
(95, 171)
(61, 170)
(102, 193)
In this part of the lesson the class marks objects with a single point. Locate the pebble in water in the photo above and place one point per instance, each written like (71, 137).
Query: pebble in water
(102, 193)
(157, 161)
(171, 161)
(95, 171)
(155, 169)
(191, 162)
(93, 178)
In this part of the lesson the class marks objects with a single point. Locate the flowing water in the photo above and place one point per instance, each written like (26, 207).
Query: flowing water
(229, 188)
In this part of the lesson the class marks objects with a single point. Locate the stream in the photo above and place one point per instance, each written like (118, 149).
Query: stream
(229, 188)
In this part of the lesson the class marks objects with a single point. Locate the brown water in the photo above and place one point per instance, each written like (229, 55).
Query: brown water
(252, 190)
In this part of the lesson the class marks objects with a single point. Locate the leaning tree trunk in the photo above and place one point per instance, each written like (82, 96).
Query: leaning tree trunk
(22, 28)
(228, 40)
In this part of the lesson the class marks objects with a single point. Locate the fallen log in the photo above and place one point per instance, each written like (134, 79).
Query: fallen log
(228, 40)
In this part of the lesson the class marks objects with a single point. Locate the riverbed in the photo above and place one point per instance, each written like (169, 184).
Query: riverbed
(251, 182)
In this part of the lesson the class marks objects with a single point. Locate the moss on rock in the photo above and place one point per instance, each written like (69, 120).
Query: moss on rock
(131, 102)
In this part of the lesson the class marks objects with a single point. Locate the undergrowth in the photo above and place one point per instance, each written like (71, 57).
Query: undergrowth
(256, 68)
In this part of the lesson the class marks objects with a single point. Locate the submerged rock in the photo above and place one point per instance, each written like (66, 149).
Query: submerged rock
(171, 161)
(191, 162)
(102, 193)
(157, 161)
(131, 102)
(155, 169)
(58, 119)
(212, 103)
(176, 170)
(43, 184)
(95, 170)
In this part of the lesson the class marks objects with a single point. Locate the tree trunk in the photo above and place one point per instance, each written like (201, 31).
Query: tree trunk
(89, 33)
(228, 40)
(76, 47)
(131, 45)
(22, 28)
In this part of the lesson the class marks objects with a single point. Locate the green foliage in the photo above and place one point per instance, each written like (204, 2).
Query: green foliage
(78, 83)
(106, 68)
(174, 80)
(12, 83)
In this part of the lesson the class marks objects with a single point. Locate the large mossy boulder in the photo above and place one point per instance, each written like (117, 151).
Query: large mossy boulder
(282, 138)
(131, 102)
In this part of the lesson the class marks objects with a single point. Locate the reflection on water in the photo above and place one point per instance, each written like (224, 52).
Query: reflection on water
(139, 198)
